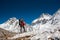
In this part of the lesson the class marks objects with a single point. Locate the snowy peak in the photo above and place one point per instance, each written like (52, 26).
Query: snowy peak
(11, 25)
(58, 11)
(11, 20)
(45, 16)
(57, 14)
(56, 18)
(42, 18)
(50, 28)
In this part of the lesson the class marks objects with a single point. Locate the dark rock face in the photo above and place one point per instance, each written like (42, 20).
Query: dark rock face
(56, 38)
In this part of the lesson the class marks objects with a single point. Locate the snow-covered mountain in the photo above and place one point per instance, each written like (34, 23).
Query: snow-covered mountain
(42, 28)
(13, 25)
(42, 19)
(47, 26)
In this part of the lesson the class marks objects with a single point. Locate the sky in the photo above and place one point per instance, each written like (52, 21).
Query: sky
(28, 9)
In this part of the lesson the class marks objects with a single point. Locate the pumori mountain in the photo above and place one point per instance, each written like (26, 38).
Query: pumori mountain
(44, 27)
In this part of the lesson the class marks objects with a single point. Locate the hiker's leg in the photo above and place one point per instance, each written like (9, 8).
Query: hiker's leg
(24, 29)
(21, 29)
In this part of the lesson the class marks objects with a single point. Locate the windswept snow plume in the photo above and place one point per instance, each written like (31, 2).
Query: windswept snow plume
(45, 27)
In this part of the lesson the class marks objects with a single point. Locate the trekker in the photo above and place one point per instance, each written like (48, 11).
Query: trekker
(22, 24)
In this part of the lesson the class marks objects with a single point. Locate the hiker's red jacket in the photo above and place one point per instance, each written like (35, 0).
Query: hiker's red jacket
(22, 23)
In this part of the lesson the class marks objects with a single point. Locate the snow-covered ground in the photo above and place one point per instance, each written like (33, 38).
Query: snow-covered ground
(42, 28)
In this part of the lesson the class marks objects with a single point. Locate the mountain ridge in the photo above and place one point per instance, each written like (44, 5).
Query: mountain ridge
(45, 26)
